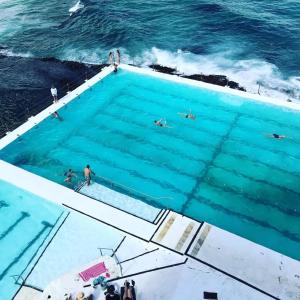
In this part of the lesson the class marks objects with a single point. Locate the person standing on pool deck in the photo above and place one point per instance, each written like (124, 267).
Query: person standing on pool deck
(111, 58)
(87, 174)
(118, 55)
(54, 93)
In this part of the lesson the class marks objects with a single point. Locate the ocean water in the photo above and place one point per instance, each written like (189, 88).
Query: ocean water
(250, 41)
(221, 168)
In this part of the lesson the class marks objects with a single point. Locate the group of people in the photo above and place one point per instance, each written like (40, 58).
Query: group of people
(87, 172)
(127, 292)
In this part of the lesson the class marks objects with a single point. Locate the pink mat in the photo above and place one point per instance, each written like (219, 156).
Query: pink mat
(93, 271)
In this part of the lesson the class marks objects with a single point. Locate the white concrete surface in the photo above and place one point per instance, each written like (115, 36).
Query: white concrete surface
(188, 282)
(264, 268)
(26, 293)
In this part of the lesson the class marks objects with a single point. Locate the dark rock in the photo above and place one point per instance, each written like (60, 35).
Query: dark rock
(163, 69)
(221, 80)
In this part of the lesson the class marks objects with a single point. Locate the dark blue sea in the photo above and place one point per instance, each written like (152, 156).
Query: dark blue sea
(252, 42)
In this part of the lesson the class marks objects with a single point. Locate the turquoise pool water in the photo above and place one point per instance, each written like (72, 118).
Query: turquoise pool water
(27, 222)
(221, 167)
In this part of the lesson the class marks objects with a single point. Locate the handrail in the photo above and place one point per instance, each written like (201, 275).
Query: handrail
(113, 255)
(127, 188)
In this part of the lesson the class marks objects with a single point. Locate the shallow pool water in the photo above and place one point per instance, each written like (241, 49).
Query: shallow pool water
(27, 223)
(222, 168)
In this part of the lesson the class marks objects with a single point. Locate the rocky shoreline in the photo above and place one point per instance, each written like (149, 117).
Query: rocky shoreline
(25, 84)
(221, 80)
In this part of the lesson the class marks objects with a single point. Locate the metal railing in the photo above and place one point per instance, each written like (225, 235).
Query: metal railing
(113, 254)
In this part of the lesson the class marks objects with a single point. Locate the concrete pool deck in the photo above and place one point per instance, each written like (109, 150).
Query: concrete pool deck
(237, 268)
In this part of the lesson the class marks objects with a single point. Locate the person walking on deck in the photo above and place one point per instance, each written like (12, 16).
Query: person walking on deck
(54, 93)
(87, 174)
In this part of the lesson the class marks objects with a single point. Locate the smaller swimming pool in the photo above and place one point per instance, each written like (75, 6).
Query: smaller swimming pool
(27, 223)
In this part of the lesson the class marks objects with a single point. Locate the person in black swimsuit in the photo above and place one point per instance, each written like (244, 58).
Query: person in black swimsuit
(277, 136)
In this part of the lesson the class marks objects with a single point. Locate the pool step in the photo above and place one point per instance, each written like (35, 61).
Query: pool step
(120, 201)
(176, 232)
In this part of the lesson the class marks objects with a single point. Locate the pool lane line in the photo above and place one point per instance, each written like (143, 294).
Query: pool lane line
(207, 202)
(11, 227)
(23, 251)
(232, 190)
(216, 152)
(233, 277)
(24, 281)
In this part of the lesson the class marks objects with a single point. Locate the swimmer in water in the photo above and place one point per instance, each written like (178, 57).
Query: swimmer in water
(161, 123)
(188, 115)
(276, 136)
(57, 116)
(69, 175)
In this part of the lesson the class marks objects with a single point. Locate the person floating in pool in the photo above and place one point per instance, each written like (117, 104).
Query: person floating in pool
(161, 123)
(276, 136)
(57, 116)
(187, 115)
(69, 175)
(87, 174)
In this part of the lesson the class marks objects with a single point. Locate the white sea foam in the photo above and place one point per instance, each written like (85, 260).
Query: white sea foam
(76, 7)
(248, 73)
(8, 52)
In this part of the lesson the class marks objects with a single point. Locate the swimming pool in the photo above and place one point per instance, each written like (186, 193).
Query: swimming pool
(221, 168)
(27, 223)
